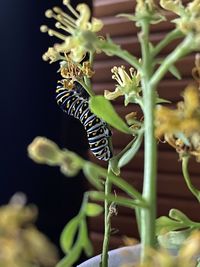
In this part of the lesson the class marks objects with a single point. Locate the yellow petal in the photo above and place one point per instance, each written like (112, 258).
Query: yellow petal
(112, 95)
(82, 21)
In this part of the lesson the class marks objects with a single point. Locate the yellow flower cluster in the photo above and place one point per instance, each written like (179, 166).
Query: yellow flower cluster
(189, 20)
(181, 126)
(79, 32)
(21, 244)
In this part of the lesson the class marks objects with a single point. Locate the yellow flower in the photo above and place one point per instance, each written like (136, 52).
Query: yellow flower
(52, 55)
(181, 127)
(186, 118)
(80, 37)
(189, 20)
(128, 85)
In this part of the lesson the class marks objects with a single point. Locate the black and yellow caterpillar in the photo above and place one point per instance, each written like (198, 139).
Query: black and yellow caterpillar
(74, 104)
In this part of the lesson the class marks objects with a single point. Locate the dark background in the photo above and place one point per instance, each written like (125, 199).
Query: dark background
(28, 109)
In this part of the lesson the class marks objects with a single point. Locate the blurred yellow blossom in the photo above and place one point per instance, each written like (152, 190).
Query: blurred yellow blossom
(21, 244)
(186, 257)
(181, 126)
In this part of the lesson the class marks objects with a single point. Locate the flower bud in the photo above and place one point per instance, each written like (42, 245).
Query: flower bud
(69, 164)
(43, 150)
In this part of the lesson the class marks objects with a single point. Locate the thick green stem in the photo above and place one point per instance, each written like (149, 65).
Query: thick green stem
(107, 222)
(148, 215)
(194, 191)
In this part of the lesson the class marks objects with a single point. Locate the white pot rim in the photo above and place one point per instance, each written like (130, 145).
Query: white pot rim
(117, 257)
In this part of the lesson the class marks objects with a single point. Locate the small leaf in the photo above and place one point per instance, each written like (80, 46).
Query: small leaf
(165, 224)
(72, 257)
(178, 215)
(175, 72)
(114, 166)
(68, 234)
(128, 155)
(86, 243)
(104, 110)
(93, 209)
(92, 175)
(162, 100)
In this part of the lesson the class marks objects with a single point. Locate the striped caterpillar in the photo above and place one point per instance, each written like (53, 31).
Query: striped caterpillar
(74, 104)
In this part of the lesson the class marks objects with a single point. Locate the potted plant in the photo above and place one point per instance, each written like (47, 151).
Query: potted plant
(179, 127)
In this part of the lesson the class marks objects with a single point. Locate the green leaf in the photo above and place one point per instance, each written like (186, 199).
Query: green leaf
(92, 175)
(72, 256)
(162, 100)
(128, 155)
(93, 209)
(175, 72)
(68, 234)
(174, 239)
(165, 224)
(114, 166)
(178, 215)
(104, 110)
(86, 243)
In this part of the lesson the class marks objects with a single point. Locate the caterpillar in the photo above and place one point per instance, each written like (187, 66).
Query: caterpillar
(74, 104)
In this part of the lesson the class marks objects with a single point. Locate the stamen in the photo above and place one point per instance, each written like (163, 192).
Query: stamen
(65, 22)
(68, 5)
(44, 28)
(49, 13)
(60, 26)
(61, 12)
(57, 34)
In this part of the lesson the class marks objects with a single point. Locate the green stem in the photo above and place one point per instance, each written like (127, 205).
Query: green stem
(126, 187)
(107, 222)
(175, 34)
(123, 201)
(119, 182)
(86, 87)
(194, 191)
(111, 48)
(181, 50)
(148, 215)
